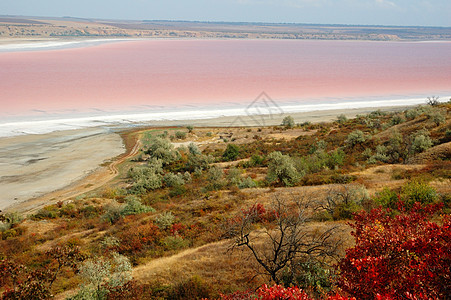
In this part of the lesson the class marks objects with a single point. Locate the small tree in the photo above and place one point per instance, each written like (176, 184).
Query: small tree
(190, 128)
(288, 239)
(342, 201)
(433, 101)
(281, 168)
(288, 122)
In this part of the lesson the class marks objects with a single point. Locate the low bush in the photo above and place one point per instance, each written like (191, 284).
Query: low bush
(231, 153)
(164, 220)
(418, 191)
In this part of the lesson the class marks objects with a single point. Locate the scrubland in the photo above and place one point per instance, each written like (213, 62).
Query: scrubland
(219, 212)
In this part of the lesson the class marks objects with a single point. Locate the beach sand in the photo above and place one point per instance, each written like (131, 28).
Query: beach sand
(33, 165)
(35, 169)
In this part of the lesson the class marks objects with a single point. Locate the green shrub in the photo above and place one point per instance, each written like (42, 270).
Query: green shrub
(341, 119)
(355, 138)
(367, 153)
(231, 153)
(215, 178)
(412, 113)
(234, 176)
(162, 149)
(437, 117)
(319, 146)
(199, 161)
(134, 206)
(246, 183)
(193, 149)
(255, 161)
(281, 168)
(145, 178)
(387, 198)
(418, 191)
(171, 179)
(101, 274)
(164, 220)
(177, 190)
(48, 212)
(113, 212)
(397, 119)
(335, 158)
(308, 274)
(288, 122)
(420, 142)
(180, 135)
(174, 242)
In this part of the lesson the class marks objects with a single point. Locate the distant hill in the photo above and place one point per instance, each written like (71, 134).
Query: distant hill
(39, 27)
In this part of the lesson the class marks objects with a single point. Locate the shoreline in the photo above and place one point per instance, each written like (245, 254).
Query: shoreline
(257, 113)
(35, 165)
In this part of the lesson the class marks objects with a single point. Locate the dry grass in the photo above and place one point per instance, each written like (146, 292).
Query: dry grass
(378, 177)
(221, 266)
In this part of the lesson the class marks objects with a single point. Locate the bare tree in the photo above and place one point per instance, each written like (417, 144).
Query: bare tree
(341, 201)
(433, 101)
(285, 237)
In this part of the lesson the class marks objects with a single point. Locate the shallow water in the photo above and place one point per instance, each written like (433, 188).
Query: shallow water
(150, 76)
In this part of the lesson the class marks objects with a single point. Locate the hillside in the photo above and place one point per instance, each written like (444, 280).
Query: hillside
(38, 28)
(186, 212)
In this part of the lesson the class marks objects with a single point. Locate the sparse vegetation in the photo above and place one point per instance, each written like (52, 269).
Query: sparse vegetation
(270, 187)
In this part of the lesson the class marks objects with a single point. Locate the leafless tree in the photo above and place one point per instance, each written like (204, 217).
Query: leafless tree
(433, 101)
(285, 237)
(341, 201)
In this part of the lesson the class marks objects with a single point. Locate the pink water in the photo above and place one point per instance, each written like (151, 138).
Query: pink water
(128, 75)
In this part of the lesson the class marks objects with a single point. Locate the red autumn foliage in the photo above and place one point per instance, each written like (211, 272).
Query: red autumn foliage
(405, 256)
(276, 292)
(177, 229)
(259, 213)
(135, 239)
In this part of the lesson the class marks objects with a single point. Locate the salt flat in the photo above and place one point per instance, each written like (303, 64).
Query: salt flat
(33, 165)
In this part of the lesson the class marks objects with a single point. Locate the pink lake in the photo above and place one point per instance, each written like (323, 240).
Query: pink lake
(132, 75)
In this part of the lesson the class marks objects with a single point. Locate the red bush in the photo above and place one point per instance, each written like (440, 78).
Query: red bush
(406, 256)
(137, 238)
(276, 292)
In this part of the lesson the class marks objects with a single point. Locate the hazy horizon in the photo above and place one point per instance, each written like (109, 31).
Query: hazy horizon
(344, 12)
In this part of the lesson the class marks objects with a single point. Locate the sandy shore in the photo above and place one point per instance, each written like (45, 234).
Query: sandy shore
(33, 165)
(276, 119)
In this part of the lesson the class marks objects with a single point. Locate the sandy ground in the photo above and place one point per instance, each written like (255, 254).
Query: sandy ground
(39, 169)
(33, 165)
